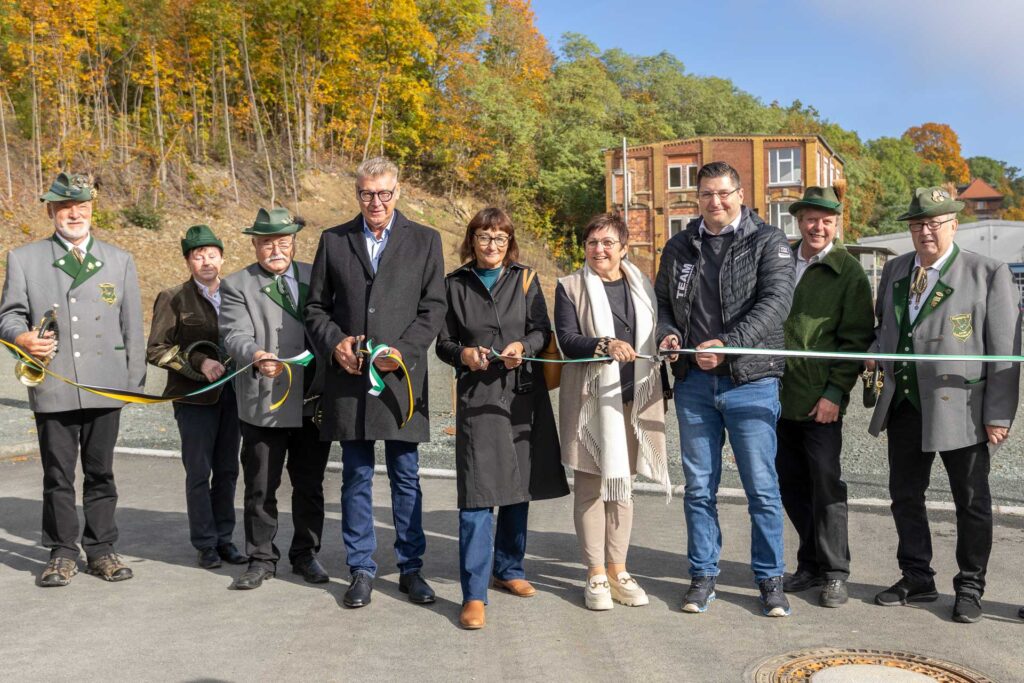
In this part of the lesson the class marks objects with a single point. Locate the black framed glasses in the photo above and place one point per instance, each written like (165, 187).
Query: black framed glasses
(918, 226)
(721, 194)
(486, 240)
(366, 196)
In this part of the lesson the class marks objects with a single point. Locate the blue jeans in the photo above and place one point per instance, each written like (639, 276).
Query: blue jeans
(708, 406)
(357, 532)
(476, 561)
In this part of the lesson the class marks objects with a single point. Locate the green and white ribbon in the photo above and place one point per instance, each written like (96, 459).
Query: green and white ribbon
(846, 355)
(375, 351)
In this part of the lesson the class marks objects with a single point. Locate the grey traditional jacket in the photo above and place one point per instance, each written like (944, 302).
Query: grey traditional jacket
(972, 310)
(255, 317)
(99, 319)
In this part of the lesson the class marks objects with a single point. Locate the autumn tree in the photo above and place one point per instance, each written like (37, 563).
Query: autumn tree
(939, 144)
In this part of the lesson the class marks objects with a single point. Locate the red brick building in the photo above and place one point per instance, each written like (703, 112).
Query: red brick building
(774, 170)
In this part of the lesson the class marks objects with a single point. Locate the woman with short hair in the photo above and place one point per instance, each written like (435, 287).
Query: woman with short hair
(611, 415)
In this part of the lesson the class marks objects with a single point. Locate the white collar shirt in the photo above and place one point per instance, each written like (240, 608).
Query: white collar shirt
(375, 247)
(803, 264)
(82, 248)
(212, 297)
(732, 227)
(917, 303)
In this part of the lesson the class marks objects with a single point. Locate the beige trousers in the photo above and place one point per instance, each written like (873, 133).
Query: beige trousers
(603, 528)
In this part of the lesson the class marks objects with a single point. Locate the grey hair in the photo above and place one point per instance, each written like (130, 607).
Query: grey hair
(374, 167)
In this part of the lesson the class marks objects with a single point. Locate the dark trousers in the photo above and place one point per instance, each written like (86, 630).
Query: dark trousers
(814, 494)
(61, 435)
(909, 476)
(265, 450)
(357, 461)
(209, 452)
(485, 551)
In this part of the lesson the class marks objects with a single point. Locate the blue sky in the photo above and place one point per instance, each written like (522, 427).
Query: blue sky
(874, 66)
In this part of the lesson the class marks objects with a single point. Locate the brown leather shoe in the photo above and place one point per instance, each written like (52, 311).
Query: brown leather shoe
(110, 567)
(472, 616)
(58, 572)
(521, 588)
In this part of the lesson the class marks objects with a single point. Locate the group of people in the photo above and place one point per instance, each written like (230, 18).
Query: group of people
(727, 280)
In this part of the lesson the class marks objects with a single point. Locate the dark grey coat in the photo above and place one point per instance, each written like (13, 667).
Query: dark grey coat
(506, 443)
(403, 306)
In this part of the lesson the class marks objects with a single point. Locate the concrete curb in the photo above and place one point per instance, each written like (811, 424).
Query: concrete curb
(639, 487)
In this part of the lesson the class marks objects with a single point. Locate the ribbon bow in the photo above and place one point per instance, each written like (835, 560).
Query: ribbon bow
(377, 385)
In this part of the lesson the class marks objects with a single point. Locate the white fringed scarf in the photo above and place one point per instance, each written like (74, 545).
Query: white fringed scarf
(600, 419)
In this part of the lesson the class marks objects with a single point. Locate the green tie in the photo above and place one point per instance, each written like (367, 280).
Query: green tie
(286, 292)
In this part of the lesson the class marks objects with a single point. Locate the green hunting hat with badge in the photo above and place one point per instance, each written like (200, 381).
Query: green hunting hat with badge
(824, 198)
(76, 187)
(200, 236)
(274, 222)
(929, 202)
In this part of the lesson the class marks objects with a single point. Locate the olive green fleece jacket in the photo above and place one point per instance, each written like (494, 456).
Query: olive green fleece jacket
(832, 311)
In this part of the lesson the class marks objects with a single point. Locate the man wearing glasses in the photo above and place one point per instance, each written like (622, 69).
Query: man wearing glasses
(727, 280)
(941, 300)
(378, 277)
(261, 317)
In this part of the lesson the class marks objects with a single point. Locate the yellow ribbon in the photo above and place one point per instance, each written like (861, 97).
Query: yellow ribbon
(302, 359)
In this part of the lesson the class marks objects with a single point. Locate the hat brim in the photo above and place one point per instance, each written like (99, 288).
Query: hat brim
(824, 204)
(289, 229)
(52, 196)
(186, 249)
(952, 206)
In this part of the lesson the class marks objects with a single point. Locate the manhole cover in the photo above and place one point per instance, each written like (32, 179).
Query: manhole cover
(839, 665)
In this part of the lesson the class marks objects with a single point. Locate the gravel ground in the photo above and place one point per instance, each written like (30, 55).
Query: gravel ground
(864, 457)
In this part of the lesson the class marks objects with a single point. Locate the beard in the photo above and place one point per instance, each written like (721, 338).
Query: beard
(74, 233)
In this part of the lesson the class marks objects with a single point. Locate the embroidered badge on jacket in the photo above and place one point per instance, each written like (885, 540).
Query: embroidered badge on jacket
(962, 326)
(107, 293)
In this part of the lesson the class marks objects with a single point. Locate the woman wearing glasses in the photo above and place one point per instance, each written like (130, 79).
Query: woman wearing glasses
(506, 444)
(611, 414)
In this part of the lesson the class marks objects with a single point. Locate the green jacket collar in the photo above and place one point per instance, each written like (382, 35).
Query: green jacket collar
(275, 295)
(78, 272)
(939, 293)
(834, 259)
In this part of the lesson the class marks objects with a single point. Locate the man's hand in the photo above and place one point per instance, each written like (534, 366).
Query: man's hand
(710, 361)
(476, 357)
(997, 435)
(621, 351)
(388, 364)
(825, 411)
(346, 355)
(267, 368)
(37, 346)
(870, 365)
(515, 350)
(670, 342)
(212, 370)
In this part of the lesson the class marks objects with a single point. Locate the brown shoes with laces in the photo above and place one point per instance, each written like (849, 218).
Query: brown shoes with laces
(472, 616)
(58, 572)
(521, 588)
(110, 567)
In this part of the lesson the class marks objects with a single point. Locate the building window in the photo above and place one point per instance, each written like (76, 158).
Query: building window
(784, 166)
(778, 215)
(981, 204)
(682, 177)
(676, 224)
(617, 184)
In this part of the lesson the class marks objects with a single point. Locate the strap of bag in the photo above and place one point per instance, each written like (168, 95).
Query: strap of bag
(528, 276)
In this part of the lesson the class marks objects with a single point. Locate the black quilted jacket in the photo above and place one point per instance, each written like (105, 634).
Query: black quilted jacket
(757, 280)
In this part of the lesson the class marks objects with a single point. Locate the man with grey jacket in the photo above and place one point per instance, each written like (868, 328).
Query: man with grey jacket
(727, 280)
(261, 318)
(90, 288)
(941, 300)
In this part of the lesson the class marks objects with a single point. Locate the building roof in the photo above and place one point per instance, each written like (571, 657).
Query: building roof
(979, 189)
(794, 136)
(998, 239)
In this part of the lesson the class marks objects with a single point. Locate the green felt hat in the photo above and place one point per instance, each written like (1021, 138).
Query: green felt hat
(818, 198)
(273, 222)
(200, 236)
(74, 186)
(930, 201)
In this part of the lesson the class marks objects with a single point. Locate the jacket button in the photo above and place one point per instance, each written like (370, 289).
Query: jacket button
(74, 300)
(78, 354)
(74, 318)
(371, 309)
(369, 282)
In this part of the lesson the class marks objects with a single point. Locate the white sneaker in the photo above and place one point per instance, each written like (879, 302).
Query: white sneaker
(626, 590)
(597, 594)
